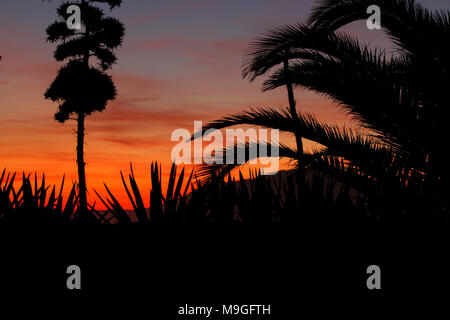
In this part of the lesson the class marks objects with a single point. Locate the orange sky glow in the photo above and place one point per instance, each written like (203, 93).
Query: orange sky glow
(178, 64)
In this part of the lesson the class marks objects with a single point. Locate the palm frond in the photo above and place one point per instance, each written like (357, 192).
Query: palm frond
(410, 25)
(221, 170)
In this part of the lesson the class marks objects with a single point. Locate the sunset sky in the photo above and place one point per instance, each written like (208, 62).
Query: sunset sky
(180, 62)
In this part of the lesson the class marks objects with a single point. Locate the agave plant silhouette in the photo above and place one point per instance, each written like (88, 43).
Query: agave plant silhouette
(223, 200)
(80, 88)
(38, 204)
(398, 100)
(166, 205)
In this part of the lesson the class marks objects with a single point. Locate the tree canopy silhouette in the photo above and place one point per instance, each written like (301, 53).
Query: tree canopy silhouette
(81, 88)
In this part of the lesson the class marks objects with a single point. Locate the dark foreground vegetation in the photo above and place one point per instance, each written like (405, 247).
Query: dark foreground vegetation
(391, 167)
(259, 199)
(288, 198)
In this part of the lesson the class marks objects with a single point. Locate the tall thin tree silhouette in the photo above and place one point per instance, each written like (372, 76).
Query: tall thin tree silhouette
(80, 88)
(258, 61)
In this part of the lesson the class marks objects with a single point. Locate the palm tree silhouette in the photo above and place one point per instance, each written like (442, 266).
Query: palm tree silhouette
(399, 101)
(413, 106)
(79, 88)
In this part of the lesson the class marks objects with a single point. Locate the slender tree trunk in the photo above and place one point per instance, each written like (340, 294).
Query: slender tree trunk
(82, 189)
(293, 110)
(292, 104)
(81, 165)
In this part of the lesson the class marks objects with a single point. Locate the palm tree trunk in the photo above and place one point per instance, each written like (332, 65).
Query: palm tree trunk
(81, 164)
(292, 104)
